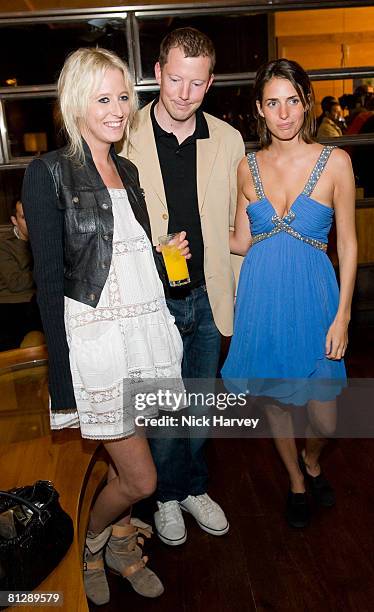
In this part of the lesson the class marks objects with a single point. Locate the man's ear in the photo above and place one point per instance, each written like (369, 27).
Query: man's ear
(211, 79)
(259, 109)
(158, 72)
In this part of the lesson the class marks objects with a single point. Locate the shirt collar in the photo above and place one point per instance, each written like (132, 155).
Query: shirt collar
(201, 128)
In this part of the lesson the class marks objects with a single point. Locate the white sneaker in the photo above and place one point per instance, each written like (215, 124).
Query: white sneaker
(208, 514)
(169, 523)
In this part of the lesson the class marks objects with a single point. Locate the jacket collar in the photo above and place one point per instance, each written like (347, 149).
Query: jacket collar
(207, 150)
(90, 172)
(88, 155)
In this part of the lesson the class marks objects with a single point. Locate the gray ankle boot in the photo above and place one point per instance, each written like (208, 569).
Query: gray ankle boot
(95, 582)
(123, 555)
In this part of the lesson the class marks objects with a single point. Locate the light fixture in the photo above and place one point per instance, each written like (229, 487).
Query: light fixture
(35, 142)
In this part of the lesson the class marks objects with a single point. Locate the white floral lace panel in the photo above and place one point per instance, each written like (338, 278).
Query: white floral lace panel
(114, 292)
(114, 416)
(117, 193)
(113, 313)
(97, 397)
(131, 245)
(154, 379)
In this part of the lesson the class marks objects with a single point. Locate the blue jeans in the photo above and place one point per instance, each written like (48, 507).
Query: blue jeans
(180, 462)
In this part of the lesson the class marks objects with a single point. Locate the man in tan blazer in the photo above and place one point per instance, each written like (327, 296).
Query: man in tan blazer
(187, 162)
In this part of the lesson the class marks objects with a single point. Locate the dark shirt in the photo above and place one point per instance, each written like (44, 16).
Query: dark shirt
(179, 174)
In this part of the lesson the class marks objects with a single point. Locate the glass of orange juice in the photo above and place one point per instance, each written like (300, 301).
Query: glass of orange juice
(175, 263)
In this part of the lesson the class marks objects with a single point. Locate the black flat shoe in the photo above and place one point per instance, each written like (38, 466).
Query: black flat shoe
(297, 510)
(319, 486)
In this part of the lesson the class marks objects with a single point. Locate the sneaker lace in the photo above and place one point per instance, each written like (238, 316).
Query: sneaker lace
(171, 512)
(206, 503)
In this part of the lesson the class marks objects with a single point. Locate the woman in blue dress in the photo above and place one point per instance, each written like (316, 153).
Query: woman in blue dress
(291, 323)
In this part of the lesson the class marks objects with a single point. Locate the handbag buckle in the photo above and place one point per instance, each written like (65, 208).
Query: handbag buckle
(44, 516)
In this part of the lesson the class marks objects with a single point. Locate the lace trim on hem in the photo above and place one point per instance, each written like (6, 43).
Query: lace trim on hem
(108, 437)
(96, 437)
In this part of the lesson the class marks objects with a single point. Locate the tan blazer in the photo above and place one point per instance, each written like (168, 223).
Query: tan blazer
(328, 129)
(217, 161)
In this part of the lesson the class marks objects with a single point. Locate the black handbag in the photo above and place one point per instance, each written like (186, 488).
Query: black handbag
(35, 534)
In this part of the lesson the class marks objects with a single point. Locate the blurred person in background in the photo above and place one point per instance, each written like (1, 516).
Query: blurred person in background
(18, 308)
(325, 105)
(359, 107)
(362, 156)
(332, 120)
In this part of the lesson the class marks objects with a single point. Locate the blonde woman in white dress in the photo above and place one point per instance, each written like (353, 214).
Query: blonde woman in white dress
(108, 330)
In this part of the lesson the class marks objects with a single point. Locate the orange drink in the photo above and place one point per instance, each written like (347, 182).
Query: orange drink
(175, 263)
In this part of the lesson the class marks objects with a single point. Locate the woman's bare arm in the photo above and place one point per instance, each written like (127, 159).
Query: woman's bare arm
(344, 205)
(240, 237)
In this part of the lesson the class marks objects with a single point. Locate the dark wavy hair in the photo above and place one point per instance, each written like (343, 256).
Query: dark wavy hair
(293, 72)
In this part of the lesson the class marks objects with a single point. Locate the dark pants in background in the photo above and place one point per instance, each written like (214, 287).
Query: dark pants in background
(16, 320)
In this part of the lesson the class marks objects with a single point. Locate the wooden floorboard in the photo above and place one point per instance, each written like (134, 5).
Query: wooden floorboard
(261, 564)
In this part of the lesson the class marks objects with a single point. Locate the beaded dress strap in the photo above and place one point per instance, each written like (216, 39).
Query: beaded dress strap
(317, 170)
(252, 162)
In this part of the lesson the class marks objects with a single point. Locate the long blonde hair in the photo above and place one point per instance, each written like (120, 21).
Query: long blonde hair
(79, 79)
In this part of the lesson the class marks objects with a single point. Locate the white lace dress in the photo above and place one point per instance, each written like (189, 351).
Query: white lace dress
(128, 344)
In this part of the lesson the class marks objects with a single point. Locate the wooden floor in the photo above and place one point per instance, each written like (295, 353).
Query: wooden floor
(261, 564)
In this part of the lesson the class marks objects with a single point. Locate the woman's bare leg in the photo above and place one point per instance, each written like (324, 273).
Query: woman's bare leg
(311, 454)
(322, 419)
(281, 425)
(133, 478)
(125, 518)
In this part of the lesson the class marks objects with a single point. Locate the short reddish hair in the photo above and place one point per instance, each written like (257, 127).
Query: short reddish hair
(193, 42)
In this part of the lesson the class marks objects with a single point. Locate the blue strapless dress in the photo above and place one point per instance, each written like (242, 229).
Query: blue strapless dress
(286, 301)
